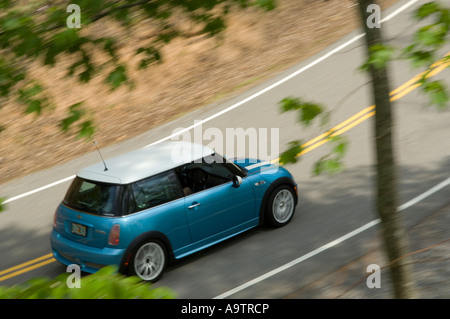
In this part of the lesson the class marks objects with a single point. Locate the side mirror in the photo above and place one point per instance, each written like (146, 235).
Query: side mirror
(237, 181)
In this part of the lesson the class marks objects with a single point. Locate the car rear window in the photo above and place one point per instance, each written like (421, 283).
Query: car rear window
(93, 197)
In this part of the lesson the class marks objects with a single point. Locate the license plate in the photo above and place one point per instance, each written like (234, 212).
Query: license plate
(78, 229)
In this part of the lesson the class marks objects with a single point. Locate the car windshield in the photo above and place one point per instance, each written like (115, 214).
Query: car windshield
(93, 197)
(216, 158)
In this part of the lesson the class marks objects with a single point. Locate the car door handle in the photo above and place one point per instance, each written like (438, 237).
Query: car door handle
(194, 205)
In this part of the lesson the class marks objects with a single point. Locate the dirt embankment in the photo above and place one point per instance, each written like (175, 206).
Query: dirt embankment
(196, 71)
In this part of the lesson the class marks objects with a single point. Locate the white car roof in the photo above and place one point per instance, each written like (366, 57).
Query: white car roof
(145, 162)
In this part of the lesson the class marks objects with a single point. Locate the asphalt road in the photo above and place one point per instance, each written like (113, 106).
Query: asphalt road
(329, 206)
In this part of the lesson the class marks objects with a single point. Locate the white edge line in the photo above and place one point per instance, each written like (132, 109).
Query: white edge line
(38, 189)
(331, 244)
(301, 70)
(399, 10)
(298, 260)
(424, 195)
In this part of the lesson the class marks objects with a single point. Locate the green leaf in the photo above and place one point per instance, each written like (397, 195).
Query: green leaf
(9, 77)
(66, 39)
(307, 111)
(266, 4)
(110, 47)
(86, 130)
(168, 36)
(341, 148)
(431, 35)
(328, 165)
(437, 92)
(34, 106)
(27, 93)
(28, 97)
(75, 113)
(418, 57)
(427, 9)
(379, 55)
(123, 16)
(291, 154)
(332, 163)
(11, 22)
(117, 77)
(152, 55)
(55, 17)
(214, 26)
(290, 103)
(31, 46)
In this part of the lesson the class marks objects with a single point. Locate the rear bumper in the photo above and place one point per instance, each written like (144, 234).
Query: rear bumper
(90, 259)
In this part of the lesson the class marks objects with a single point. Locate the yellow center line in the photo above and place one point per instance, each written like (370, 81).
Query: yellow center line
(27, 269)
(330, 132)
(366, 113)
(321, 139)
(415, 84)
(14, 273)
(419, 76)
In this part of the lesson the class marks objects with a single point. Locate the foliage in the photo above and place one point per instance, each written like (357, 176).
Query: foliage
(423, 52)
(38, 31)
(291, 154)
(307, 113)
(332, 162)
(380, 55)
(104, 284)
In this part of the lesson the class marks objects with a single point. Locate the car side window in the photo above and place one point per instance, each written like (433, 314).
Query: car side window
(209, 173)
(155, 190)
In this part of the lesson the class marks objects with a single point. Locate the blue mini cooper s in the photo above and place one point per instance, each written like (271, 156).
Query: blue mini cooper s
(157, 204)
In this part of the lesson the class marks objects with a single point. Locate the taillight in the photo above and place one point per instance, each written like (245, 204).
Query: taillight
(114, 235)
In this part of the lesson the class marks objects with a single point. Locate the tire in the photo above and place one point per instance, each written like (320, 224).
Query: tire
(280, 206)
(149, 261)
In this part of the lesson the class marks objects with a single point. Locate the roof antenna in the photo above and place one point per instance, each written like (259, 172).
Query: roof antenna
(95, 143)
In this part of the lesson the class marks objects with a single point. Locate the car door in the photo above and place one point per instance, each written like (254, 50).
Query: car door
(160, 201)
(220, 209)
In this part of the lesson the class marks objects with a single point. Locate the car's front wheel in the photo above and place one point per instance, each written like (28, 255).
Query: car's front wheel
(280, 206)
(149, 261)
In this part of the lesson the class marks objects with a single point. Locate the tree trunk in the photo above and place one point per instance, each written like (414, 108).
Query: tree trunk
(394, 233)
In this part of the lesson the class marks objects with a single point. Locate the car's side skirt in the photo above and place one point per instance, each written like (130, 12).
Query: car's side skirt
(217, 238)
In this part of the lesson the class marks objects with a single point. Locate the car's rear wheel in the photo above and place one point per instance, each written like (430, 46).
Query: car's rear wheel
(280, 207)
(149, 261)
